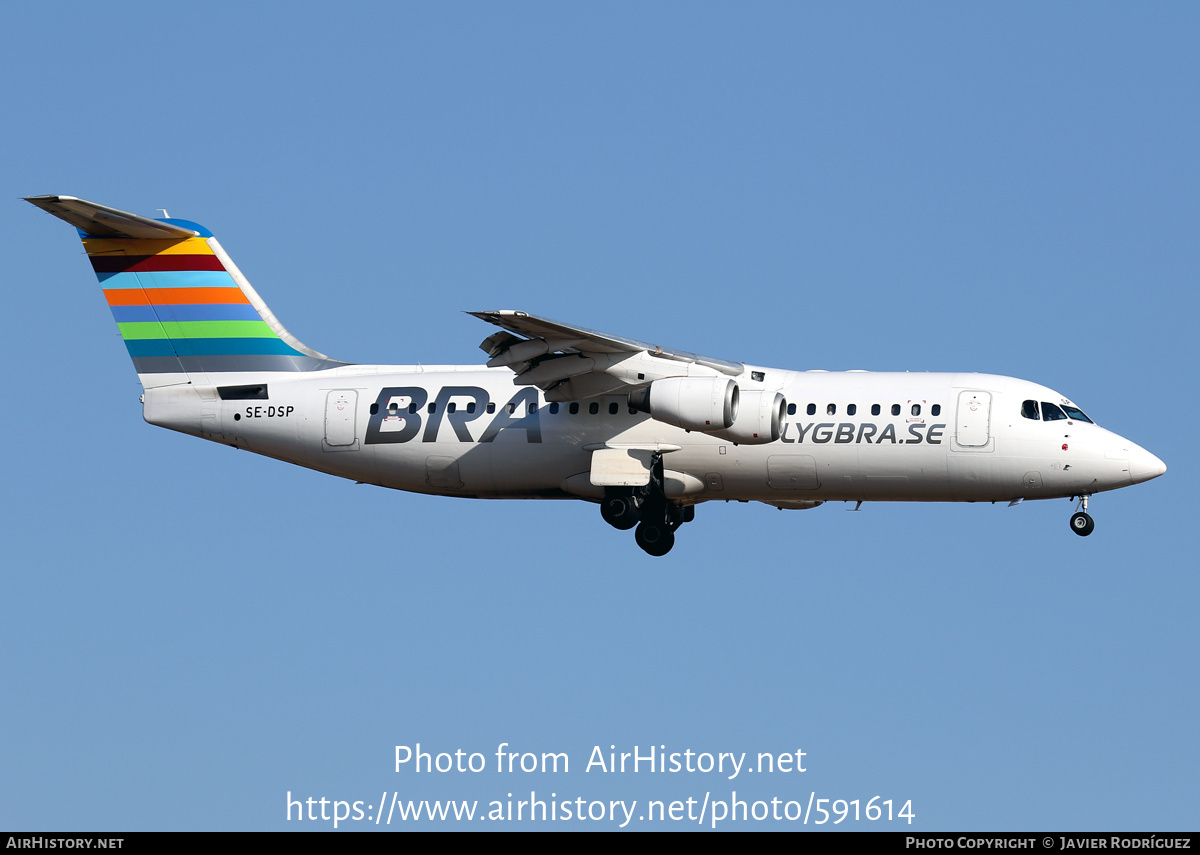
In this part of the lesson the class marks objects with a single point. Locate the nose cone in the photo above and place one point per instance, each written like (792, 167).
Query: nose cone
(1143, 465)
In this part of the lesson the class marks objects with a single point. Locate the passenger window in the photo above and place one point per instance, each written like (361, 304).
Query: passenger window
(432, 408)
(791, 409)
(554, 409)
(851, 409)
(451, 407)
(612, 408)
(511, 407)
(471, 407)
(895, 409)
(491, 407)
(936, 409)
(1051, 413)
(593, 408)
(375, 408)
(874, 409)
(831, 410)
(811, 409)
(574, 408)
(412, 408)
(532, 409)
(1029, 409)
(916, 409)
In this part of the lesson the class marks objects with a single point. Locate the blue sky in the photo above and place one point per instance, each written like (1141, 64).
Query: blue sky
(190, 632)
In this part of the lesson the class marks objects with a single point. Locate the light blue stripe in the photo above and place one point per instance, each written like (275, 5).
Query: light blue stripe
(186, 312)
(168, 279)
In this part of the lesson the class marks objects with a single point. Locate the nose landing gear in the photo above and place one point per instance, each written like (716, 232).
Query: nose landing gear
(1081, 523)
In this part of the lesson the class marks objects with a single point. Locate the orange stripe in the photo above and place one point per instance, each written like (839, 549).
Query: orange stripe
(172, 296)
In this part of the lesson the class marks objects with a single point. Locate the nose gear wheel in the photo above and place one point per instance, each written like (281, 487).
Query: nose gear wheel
(1081, 523)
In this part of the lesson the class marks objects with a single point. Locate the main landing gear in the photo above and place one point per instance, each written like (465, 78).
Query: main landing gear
(1081, 523)
(648, 508)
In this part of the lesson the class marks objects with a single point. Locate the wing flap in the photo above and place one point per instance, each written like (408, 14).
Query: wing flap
(568, 362)
(592, 341)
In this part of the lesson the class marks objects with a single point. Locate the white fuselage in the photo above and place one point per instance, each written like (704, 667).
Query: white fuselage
(468, 431)
(563, 411)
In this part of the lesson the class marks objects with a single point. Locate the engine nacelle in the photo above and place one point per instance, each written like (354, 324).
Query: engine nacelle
(759, 419)
(694, 403)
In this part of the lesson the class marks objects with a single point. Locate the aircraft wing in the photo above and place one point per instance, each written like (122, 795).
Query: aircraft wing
(569, 362)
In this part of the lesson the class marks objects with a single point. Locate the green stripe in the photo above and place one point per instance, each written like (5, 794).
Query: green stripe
(196, 329)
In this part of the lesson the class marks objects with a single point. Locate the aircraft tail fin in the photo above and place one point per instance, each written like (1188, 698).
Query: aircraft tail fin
(182, 306)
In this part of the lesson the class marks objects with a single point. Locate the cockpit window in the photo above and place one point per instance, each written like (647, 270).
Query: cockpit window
(1029, 409)
(1077, 414)
(1051, 413)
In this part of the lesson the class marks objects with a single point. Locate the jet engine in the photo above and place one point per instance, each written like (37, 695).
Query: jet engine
(693, 403)
(759, 419)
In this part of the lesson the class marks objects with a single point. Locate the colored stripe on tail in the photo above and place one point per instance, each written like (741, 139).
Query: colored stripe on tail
(180, 303)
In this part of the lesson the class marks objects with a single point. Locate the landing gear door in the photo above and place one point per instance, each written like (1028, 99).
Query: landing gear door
(973, 423)
(621, 467)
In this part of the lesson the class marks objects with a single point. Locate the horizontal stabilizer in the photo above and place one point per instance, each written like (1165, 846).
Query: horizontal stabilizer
(102, 221)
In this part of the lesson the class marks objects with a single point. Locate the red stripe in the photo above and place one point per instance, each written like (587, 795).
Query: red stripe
(135, 263)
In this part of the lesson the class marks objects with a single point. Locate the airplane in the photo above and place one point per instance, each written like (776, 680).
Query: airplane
(565, 412)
